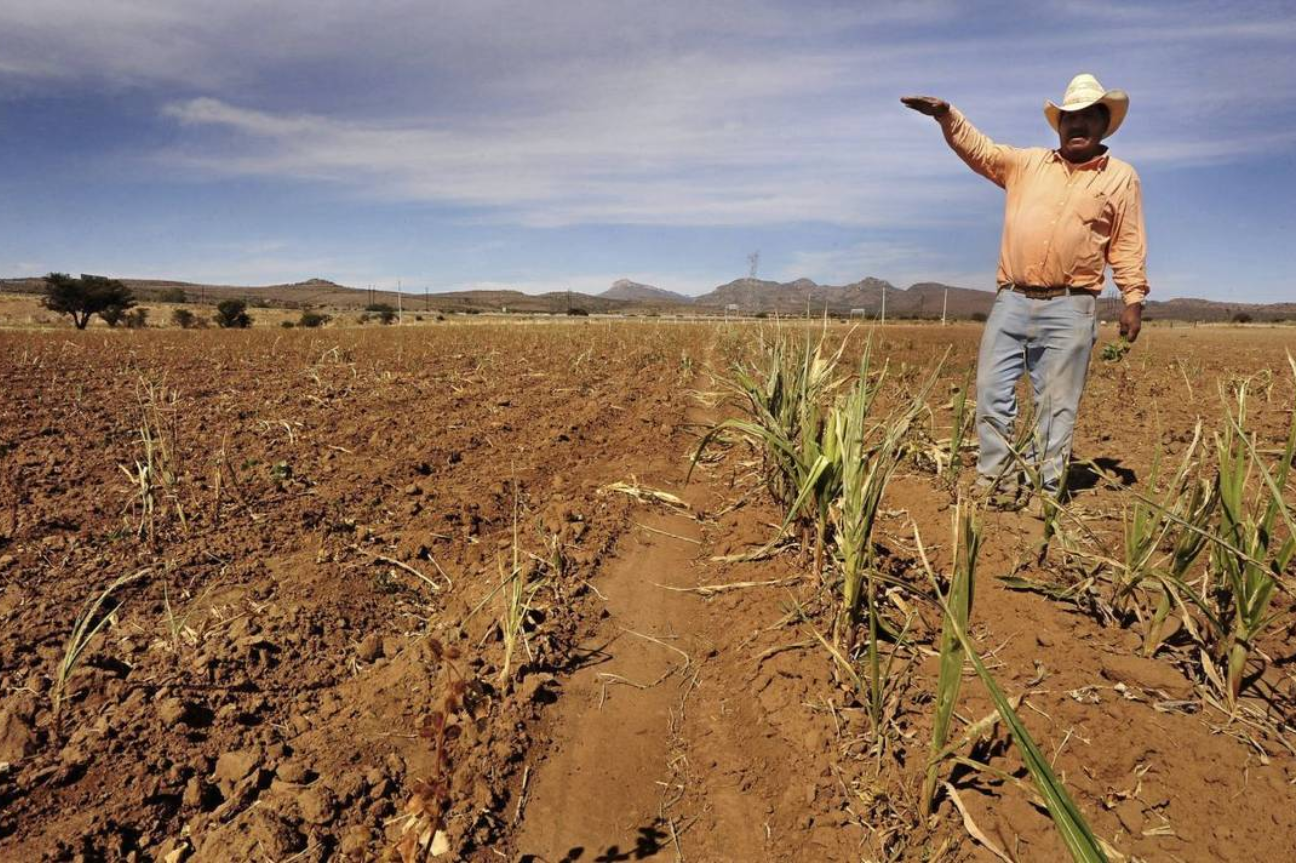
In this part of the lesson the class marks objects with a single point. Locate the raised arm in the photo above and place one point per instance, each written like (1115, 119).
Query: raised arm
(993, 161)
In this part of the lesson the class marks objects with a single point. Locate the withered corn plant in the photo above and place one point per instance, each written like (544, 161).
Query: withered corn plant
(782, 399)
(1252, 559)
(89, 623)
(869, 453)
(958, 603)
(960, 422)
(1074, 830)
(1163, 536)
(517, 591)
(156, 471)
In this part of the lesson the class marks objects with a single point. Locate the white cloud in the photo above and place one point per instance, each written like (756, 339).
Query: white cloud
(725, 114)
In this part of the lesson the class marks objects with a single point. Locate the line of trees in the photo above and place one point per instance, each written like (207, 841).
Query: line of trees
(114, 303)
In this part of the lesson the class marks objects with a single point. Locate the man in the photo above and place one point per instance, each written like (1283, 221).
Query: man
(1069, 213)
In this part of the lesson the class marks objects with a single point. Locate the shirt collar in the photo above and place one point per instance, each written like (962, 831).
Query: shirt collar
(1097, 163)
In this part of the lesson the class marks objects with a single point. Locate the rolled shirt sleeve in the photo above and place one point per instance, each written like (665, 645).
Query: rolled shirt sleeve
(993, 161)
(1127, 251)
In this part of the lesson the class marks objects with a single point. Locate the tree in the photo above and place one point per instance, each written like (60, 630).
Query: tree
(136, 318)
(1242, 318)
(86, 296)
(183, 318)
(980, 317)
(172, 295)
(232, 315)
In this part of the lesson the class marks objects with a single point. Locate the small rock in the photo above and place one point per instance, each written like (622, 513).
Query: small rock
(356, 841)
(1130, 813)
(199, 795)
(293, 771)
(1043, 639)
(172, 711)
(533, 685)
(17, 740)
(370, 649)
(348, 787)
(317, 804)
(193, 792)
(73, 755)
(236, 764)
(277, 838)
(174, 851)
(413, 490)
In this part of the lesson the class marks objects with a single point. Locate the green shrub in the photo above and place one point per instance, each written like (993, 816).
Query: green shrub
(232, 315)
(383, 312)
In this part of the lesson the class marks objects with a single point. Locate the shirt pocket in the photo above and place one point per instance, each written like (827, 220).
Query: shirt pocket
(1092, 209)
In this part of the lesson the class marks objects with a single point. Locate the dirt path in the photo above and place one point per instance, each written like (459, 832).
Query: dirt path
(674, 740)
(604, 787)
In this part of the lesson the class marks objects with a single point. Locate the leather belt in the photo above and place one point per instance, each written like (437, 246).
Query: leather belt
(1041, 292)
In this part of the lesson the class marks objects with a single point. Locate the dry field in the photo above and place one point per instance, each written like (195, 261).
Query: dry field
(451, 593)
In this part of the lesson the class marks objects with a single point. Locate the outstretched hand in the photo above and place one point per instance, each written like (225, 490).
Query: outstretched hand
(929, 105)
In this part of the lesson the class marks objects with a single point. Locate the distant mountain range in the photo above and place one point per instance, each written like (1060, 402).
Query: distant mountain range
(864, 296)
(746, 296)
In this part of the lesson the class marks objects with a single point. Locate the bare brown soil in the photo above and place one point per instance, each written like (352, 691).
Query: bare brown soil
(349, 504)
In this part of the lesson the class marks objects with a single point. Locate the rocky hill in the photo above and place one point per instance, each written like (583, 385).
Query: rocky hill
(624, 289)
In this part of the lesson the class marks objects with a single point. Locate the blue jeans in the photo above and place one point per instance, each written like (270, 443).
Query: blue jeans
(1052, 340)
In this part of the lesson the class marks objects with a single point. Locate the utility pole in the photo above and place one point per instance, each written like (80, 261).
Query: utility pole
(884, 302)
(400, 302)
(944, 306)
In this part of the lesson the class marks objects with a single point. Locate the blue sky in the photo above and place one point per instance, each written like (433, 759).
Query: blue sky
(568, 143)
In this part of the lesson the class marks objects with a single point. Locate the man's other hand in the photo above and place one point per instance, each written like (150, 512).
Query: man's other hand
(1131, 321)
(929, 105)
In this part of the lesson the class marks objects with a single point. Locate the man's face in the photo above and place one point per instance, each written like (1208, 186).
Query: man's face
(1081, 132)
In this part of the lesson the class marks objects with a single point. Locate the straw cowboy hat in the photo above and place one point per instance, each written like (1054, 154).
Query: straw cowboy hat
(1083, 91)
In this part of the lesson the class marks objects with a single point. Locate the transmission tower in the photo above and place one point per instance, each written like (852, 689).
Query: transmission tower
(753, 264)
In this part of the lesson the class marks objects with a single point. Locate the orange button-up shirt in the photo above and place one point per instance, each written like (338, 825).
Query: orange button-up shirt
(1063, 223)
